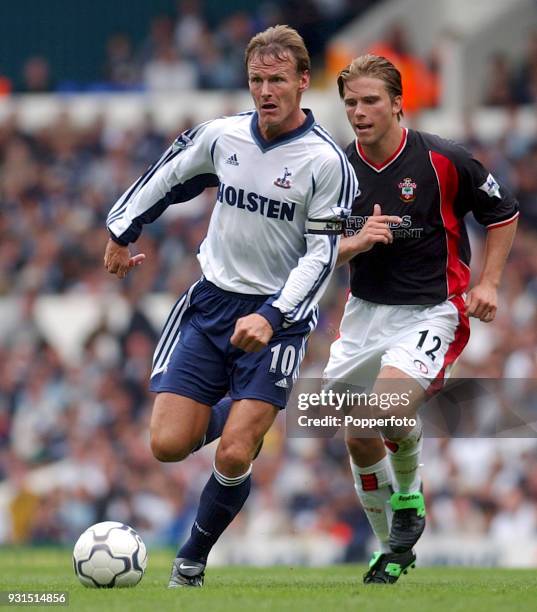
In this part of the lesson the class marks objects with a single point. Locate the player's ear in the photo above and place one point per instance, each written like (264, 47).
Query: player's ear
(397, 105)
(304, 81)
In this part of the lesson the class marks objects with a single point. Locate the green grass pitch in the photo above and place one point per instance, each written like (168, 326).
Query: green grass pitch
(279, 589)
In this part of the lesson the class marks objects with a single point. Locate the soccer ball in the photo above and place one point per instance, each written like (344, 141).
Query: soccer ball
(109, 554)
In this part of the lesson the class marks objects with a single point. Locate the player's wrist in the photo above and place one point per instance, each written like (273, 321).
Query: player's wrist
(351, 247)
(272, 315)
(117, 240)
(489, 282)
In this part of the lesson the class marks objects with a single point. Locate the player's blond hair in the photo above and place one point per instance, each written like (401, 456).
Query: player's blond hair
(279, 41)
(374, 66)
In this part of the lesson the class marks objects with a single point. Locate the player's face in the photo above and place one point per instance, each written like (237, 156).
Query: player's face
(276, 88)
(370, 110)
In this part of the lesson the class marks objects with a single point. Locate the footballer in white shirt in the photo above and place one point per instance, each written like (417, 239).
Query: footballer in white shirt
(284, 190)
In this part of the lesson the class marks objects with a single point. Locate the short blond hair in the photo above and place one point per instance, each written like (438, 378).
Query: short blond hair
(374, 66)
(279, 41)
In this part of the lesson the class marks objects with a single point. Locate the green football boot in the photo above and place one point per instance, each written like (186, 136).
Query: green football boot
(385, 568)
(408, 520)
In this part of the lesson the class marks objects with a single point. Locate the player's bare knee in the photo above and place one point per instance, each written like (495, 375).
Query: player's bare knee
(233, 457)
(166, 449)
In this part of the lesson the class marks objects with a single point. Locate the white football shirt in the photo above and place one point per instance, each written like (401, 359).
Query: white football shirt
(280, 205)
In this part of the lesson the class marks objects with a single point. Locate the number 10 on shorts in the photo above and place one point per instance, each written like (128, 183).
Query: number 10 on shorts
(287, 361)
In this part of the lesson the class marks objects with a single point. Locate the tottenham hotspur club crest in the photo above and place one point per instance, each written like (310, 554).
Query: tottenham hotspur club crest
(283, 181)
(408, 190)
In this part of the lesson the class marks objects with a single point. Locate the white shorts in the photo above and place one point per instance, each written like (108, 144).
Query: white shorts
(421, 341)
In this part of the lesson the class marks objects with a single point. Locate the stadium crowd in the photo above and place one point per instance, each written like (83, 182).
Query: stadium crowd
(192, 45)
(74, 432)
(185, 50)
(513, 83)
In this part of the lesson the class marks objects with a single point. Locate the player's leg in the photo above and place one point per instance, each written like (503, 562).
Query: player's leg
(419, 357)
(404, 444)
(177, 424)
(226, 490)
(189, 376)
(385, 506)
(373, 484)
(260, 383)
(217, 421)
(355, 360)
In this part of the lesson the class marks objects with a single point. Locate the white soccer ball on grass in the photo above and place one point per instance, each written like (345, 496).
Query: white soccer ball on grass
(109, 554)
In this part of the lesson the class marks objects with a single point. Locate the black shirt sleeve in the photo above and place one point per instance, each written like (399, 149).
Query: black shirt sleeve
(490, 202)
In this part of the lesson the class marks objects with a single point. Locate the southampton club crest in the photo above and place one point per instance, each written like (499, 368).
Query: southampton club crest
(284, 181)
(408, 190)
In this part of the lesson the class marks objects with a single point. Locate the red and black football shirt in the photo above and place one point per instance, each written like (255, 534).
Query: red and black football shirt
(431, 183)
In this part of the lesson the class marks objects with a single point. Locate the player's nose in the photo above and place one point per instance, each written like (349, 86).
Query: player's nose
(265, 90)
(359, 111)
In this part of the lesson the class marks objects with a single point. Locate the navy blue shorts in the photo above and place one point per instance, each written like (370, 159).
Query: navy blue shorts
(194, 357)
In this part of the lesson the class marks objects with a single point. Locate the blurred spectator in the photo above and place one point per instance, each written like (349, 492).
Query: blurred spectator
(190, 28)
(214, 71)
(499, 89)
(420, 84)
(36, 77)
(121, 68)
(232, 37)
(160, 36)
(168, 71)
(304, 16)
(525, 82)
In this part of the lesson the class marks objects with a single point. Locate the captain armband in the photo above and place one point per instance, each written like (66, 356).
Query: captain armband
(328, 227)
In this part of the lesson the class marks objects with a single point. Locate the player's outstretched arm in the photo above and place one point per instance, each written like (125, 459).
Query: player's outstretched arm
(482, 300)
(118, 259)
(375, 230)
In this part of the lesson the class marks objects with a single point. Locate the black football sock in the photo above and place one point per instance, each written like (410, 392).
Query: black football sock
(220, 502)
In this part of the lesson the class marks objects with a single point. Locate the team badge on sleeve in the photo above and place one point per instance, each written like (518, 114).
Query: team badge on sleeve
(491, 187)
(408, 190)
(181, 142)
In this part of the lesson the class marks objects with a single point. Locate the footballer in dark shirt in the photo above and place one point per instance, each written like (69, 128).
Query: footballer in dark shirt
(406, 318)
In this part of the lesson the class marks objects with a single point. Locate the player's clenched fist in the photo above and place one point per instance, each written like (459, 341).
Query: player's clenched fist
(118, 259)
(252, 333)
(482, 302)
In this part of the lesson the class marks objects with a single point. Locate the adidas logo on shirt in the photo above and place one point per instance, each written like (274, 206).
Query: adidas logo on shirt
(232, 159)
(282, 383)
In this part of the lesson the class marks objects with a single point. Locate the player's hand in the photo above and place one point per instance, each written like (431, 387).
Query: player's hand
(252, 333)
(375, 230)
(118, 259)
(482, 302)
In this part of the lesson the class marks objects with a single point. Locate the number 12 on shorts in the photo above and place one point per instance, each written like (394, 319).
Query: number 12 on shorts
(431, 353)
(286, 363)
